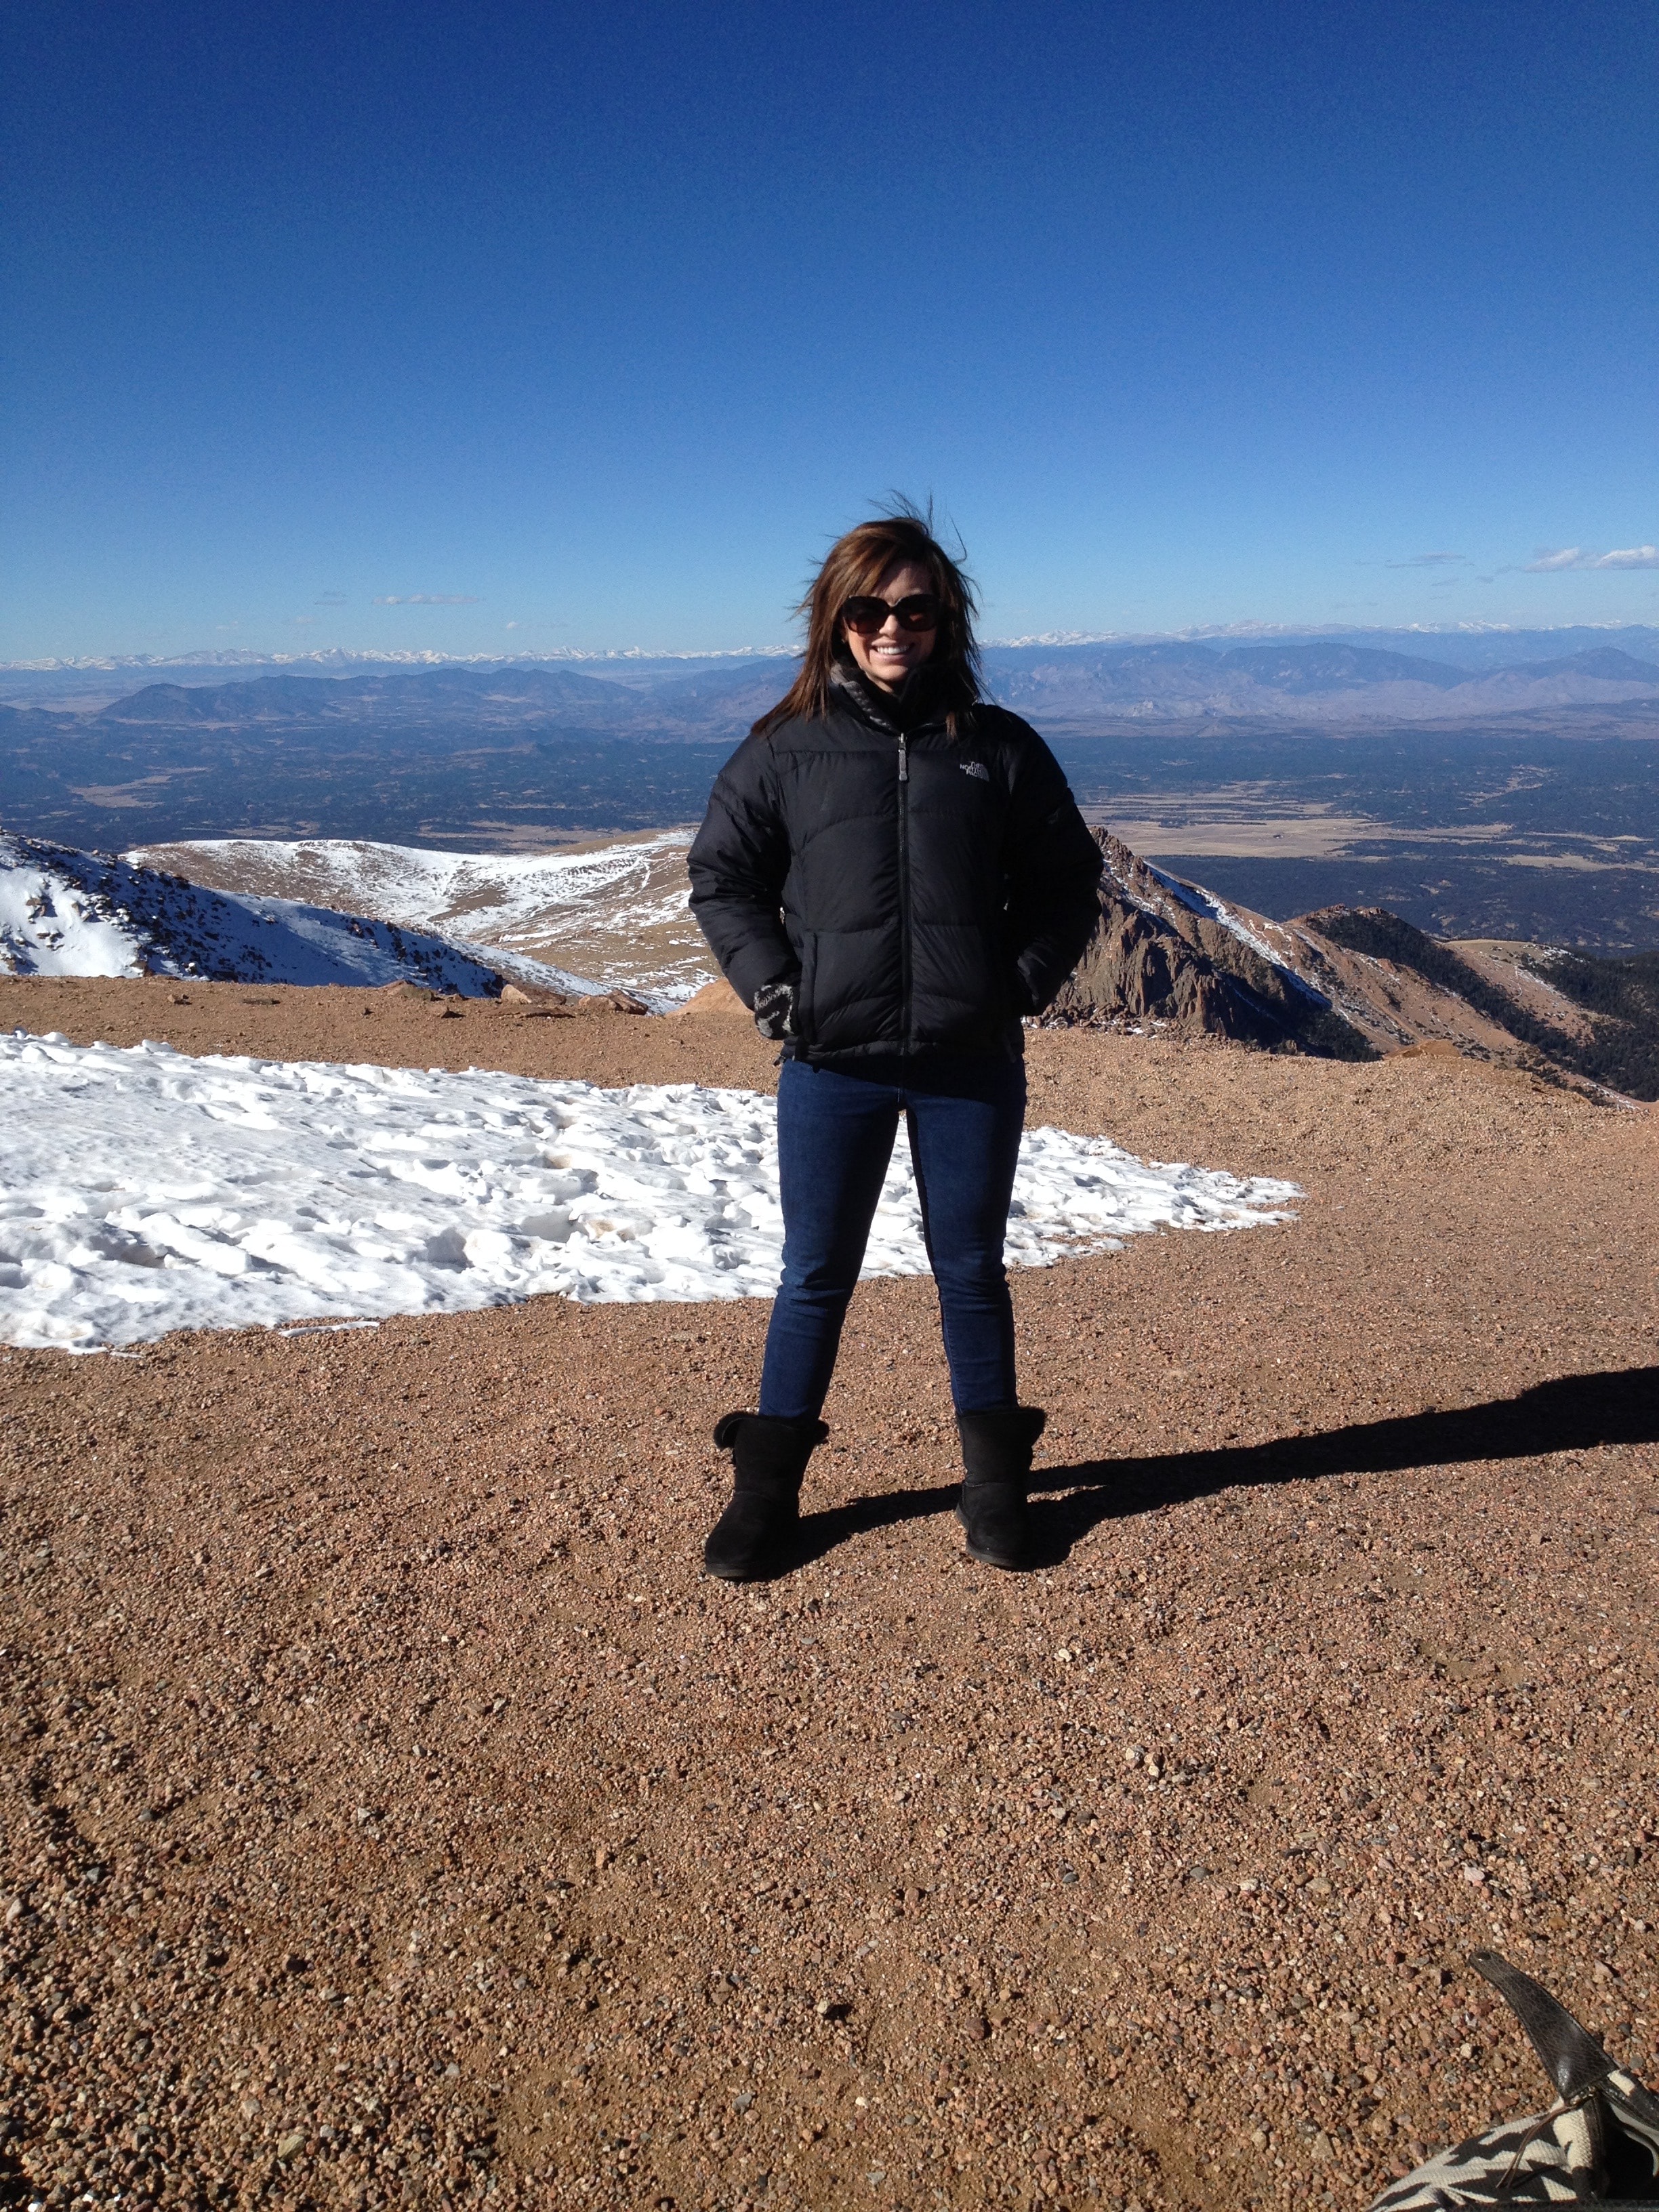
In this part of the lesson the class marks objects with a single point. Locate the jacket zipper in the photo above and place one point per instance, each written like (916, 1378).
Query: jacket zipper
(904, 890)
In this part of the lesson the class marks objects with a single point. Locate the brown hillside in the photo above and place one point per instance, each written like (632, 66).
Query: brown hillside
(1345, 984)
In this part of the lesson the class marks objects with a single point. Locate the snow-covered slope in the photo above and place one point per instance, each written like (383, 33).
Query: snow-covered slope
(68, 913)
(615, 912)
(145, 1191)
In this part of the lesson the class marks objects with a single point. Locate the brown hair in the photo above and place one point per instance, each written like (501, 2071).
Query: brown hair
(854, 565)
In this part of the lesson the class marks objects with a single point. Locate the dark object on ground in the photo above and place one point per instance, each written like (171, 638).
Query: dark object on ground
(1598, 2145)
(996, 1456)
(768, 1458)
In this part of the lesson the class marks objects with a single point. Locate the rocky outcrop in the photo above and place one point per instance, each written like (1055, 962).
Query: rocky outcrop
(1167, 953)
(1352, 983)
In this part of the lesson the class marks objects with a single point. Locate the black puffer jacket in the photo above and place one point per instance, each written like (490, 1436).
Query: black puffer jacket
(922, 891)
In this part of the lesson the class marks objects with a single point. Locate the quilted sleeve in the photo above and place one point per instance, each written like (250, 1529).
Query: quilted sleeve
(1054, 869)
(738, 861)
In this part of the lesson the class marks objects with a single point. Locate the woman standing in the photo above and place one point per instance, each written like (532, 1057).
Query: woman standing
(891, 873)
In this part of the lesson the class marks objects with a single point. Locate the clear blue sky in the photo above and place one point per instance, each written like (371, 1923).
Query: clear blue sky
(600, 321)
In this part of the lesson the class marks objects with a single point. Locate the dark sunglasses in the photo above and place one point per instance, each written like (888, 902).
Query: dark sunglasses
(865, 617)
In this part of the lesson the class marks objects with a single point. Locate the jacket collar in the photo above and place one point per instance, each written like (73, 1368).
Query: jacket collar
(926, 697)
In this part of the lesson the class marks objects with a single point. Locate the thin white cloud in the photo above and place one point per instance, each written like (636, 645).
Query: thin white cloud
(427, 599)
(1426, 561)
(1546, 561)
(330, 599)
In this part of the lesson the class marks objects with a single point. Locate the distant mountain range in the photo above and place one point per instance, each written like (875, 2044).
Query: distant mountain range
(531, 699)
(1326, 679)
(1407, 674)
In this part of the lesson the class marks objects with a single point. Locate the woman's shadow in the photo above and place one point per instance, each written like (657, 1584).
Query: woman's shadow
(1575, 1413)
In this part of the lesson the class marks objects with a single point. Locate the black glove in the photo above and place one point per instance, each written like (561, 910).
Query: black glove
(774, 1011)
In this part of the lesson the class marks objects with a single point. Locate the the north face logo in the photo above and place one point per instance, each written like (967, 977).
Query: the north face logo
(975, 767)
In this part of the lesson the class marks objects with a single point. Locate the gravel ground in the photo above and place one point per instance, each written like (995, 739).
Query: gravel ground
(394, 1816)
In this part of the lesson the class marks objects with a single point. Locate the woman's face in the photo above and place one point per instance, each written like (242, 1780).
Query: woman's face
(888, 657)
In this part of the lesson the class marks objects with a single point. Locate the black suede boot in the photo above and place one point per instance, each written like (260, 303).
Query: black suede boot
(768, 1457)
(996, 1458)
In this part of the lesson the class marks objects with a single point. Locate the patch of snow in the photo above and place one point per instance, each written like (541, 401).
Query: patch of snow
(52, 924)
(501, 906)
(144, 1190)
(1197, 900)
(69, 913)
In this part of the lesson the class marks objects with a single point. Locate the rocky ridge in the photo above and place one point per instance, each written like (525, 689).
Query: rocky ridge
(1346, 983)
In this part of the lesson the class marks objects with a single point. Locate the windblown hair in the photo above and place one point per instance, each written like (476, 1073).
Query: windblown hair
(855, 566)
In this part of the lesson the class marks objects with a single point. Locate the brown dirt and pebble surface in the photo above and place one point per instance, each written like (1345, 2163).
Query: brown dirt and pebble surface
(395, 1816)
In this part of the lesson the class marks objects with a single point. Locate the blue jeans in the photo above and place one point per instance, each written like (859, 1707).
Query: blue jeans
(835, 1136)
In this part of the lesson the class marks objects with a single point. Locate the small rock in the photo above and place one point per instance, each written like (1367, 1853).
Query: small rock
(513, 996)
(291, 2144)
